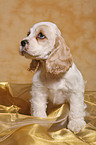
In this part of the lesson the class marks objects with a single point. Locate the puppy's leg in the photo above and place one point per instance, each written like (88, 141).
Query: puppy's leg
(77, 112)
(38, 101)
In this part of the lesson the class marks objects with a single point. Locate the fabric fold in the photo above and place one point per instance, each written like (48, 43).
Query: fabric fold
(18, 127)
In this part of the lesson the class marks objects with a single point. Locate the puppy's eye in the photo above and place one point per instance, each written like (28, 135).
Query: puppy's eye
(28, 33)
(41, 36)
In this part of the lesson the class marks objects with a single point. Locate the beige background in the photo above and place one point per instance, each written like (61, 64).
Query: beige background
(76, 20)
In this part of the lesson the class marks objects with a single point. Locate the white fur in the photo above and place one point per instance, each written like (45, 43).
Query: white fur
(67, 87)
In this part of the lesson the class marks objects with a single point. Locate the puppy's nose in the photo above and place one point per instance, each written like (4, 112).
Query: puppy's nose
(24, 42)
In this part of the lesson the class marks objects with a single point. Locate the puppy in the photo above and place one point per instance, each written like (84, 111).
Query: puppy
(57, 77)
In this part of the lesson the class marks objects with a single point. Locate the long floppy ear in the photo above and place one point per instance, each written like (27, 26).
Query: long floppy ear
(60, 58)
(34, 65)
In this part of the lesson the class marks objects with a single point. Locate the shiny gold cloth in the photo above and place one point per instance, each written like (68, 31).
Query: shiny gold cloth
(76, 20)
(18, 127)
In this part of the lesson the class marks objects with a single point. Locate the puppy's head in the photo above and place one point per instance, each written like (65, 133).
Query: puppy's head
(44, 42)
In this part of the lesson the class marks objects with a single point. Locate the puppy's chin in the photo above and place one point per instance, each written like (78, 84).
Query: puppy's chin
(23, 53)
(27, 55)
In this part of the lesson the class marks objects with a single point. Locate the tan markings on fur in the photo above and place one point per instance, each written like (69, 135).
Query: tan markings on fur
(34, 65)
(60, 59)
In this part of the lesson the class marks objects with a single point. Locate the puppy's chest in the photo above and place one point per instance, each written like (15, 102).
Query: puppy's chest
(57, 90)
(57, 96)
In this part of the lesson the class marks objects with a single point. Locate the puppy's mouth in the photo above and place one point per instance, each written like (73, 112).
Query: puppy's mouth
(36, 59)
(34, 65)
(24, 52)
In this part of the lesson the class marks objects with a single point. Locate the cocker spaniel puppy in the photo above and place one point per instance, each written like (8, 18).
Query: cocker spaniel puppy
(57, 77)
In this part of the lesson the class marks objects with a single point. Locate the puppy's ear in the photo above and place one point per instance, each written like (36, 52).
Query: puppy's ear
(60, 58)
(34, 65)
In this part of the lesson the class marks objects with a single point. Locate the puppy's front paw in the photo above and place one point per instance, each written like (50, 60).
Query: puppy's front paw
(76, 125)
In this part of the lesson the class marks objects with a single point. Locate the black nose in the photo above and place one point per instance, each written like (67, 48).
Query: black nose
(24, 42)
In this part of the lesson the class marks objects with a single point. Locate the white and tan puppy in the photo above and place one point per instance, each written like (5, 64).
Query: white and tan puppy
(57, 77)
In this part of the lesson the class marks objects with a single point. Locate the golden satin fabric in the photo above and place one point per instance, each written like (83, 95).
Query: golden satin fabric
(76, 20)
(17, 128)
